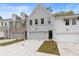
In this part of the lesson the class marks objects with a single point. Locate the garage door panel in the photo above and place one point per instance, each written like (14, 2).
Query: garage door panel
(68, 38)
(38, 35)
(2, 34)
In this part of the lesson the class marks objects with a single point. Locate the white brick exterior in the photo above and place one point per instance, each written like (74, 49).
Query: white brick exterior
(60, 31)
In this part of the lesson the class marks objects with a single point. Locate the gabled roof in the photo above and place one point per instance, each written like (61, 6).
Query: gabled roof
(42, 8)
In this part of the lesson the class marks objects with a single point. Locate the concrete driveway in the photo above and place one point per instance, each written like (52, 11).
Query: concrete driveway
(24, 48)
(68, 49)
(29, 48)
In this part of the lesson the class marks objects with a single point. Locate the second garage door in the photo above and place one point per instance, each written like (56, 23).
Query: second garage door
(68, 38)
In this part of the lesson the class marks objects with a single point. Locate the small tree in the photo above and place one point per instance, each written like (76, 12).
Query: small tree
(0, 17)
(70, 12)
(49, 9)
(63, 13)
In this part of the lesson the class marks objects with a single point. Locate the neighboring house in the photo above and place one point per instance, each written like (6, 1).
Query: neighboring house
(18, 26)
(67, 28)
(4, 28)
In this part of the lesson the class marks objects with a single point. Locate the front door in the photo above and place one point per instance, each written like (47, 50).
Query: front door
(6, 34)
(50, 34)
(25, 34)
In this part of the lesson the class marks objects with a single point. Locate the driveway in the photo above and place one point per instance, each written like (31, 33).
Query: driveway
(68, 49)
(29, 48)
(24, 48)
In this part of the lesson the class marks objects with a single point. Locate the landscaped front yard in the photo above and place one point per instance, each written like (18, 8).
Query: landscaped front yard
(49, 47)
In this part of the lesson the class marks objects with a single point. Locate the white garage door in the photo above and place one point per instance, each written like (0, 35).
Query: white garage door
(38, 35)
(68, 38)
(2, 34)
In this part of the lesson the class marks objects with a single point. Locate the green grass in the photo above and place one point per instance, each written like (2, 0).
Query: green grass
(49, 47)
(2, 38)
(9, 42)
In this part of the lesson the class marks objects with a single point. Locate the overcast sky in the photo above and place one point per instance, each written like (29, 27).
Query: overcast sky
(7, 9)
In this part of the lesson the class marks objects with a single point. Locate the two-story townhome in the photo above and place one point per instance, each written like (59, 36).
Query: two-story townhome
(67, 28)
(43, 25)
(40, 24)
(4, 27)
(18, 26)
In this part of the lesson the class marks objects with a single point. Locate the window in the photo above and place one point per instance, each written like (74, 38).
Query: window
(30, 22)
(42, 20)
(73, 21)
(77, 18)
(5, 23)
(24, 23)
(66, 21)
(2, 23)
(36, 21)
(49, 20)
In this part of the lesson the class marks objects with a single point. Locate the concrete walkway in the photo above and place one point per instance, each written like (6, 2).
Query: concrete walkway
(24, 48)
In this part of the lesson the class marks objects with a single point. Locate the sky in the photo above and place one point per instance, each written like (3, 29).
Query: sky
(7, 9)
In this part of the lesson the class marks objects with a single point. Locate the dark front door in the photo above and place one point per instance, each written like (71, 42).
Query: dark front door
(25, 34)
(50, 34)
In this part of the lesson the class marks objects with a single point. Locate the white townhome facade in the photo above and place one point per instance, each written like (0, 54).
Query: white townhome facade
(4, 27)
(43, 25)
(38, 25)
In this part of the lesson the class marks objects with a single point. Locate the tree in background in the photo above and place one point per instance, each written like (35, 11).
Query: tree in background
(63, 13)
(49, 9)
(0, 17)
(70, 12)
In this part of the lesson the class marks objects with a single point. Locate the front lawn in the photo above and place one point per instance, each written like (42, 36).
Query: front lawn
(2, 38)
(9, 42)
(49, 47)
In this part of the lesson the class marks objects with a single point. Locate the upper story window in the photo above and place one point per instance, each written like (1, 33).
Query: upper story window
(24, 23)
(73, 21)
(5, 23)
(42, 20)
(49, 20)
(77, 18)
(30, 22)
(36, 21)
(2, 23)
(66, 21)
